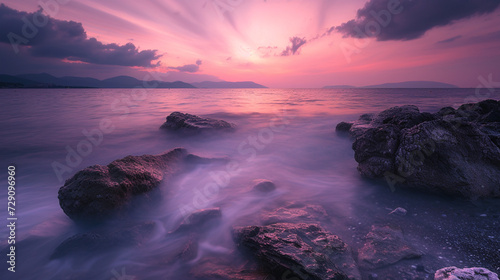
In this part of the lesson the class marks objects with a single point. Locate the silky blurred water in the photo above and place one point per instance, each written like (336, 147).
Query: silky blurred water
(296, 148)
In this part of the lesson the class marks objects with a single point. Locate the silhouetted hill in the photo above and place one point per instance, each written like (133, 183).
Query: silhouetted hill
(340, 86)
(409, 84)
(413, 84)
(208, 84)
(44, 80)
(8, 81)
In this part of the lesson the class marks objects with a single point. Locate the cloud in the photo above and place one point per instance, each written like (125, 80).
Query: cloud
(190, 68)
(449, 40)
(416, 17)
(42, 36)
(294, 48)
(267, 51)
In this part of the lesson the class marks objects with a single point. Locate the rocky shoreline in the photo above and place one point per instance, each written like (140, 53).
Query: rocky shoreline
(458, 153)
(453, 152)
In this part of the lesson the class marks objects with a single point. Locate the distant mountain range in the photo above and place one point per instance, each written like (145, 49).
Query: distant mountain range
(208, 84)
(409, 84)
(48, 81)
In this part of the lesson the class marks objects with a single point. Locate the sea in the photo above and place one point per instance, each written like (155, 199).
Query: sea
(283, 135)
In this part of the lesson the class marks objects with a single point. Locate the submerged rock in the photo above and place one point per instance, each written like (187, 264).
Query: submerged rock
(343, 127)
(385, 246)
(99, 241)
(188, 123)
(98, 191)
(199, 218)
(453, 151)
(474, 273)
(295, 213)
(265, 186)
(306, 251)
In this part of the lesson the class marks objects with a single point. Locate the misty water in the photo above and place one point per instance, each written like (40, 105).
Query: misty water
(296, 147)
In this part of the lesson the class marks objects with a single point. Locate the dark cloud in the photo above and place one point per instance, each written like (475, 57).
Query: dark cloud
(416, 17)
(38, 35)
(190, 68)
(449, 40)
(294, 48)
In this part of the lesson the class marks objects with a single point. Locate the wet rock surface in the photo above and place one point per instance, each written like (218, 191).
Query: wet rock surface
(453, 151)
(192, 124)
(295, 212)
(199, 218)
(385, 245)
(97, 192)
(474, 273)
(306, 251)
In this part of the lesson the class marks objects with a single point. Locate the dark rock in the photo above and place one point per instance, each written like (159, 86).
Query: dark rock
(400, 117)
(374, 150)
(420, 268)
(453, 151)
(190, 250)
(221, 268)
(361, 125)
(441, 157)
(492, 129)
(306, 250)
(343, 127)
(474, 273)
(100, 241)
(199, 218)
(403, 117)
(446, 111)
(194, 124)
(97, 192)
(295, 213)
(265, 186)
(385, 246)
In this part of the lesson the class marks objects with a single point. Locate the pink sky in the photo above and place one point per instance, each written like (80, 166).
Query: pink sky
(240, 40)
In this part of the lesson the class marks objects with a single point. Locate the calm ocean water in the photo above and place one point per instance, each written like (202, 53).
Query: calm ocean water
(303, 156)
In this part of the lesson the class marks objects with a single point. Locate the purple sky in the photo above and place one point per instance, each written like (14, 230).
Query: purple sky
(287, 43)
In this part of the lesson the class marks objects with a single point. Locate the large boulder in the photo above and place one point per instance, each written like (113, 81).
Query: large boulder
(452, 151)
(98, 191)
(402, 116)
(374, 150)
(440, 156)
(474, 273)
(384, 246)
(187, 123)
(303, 250)
(399, 116)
